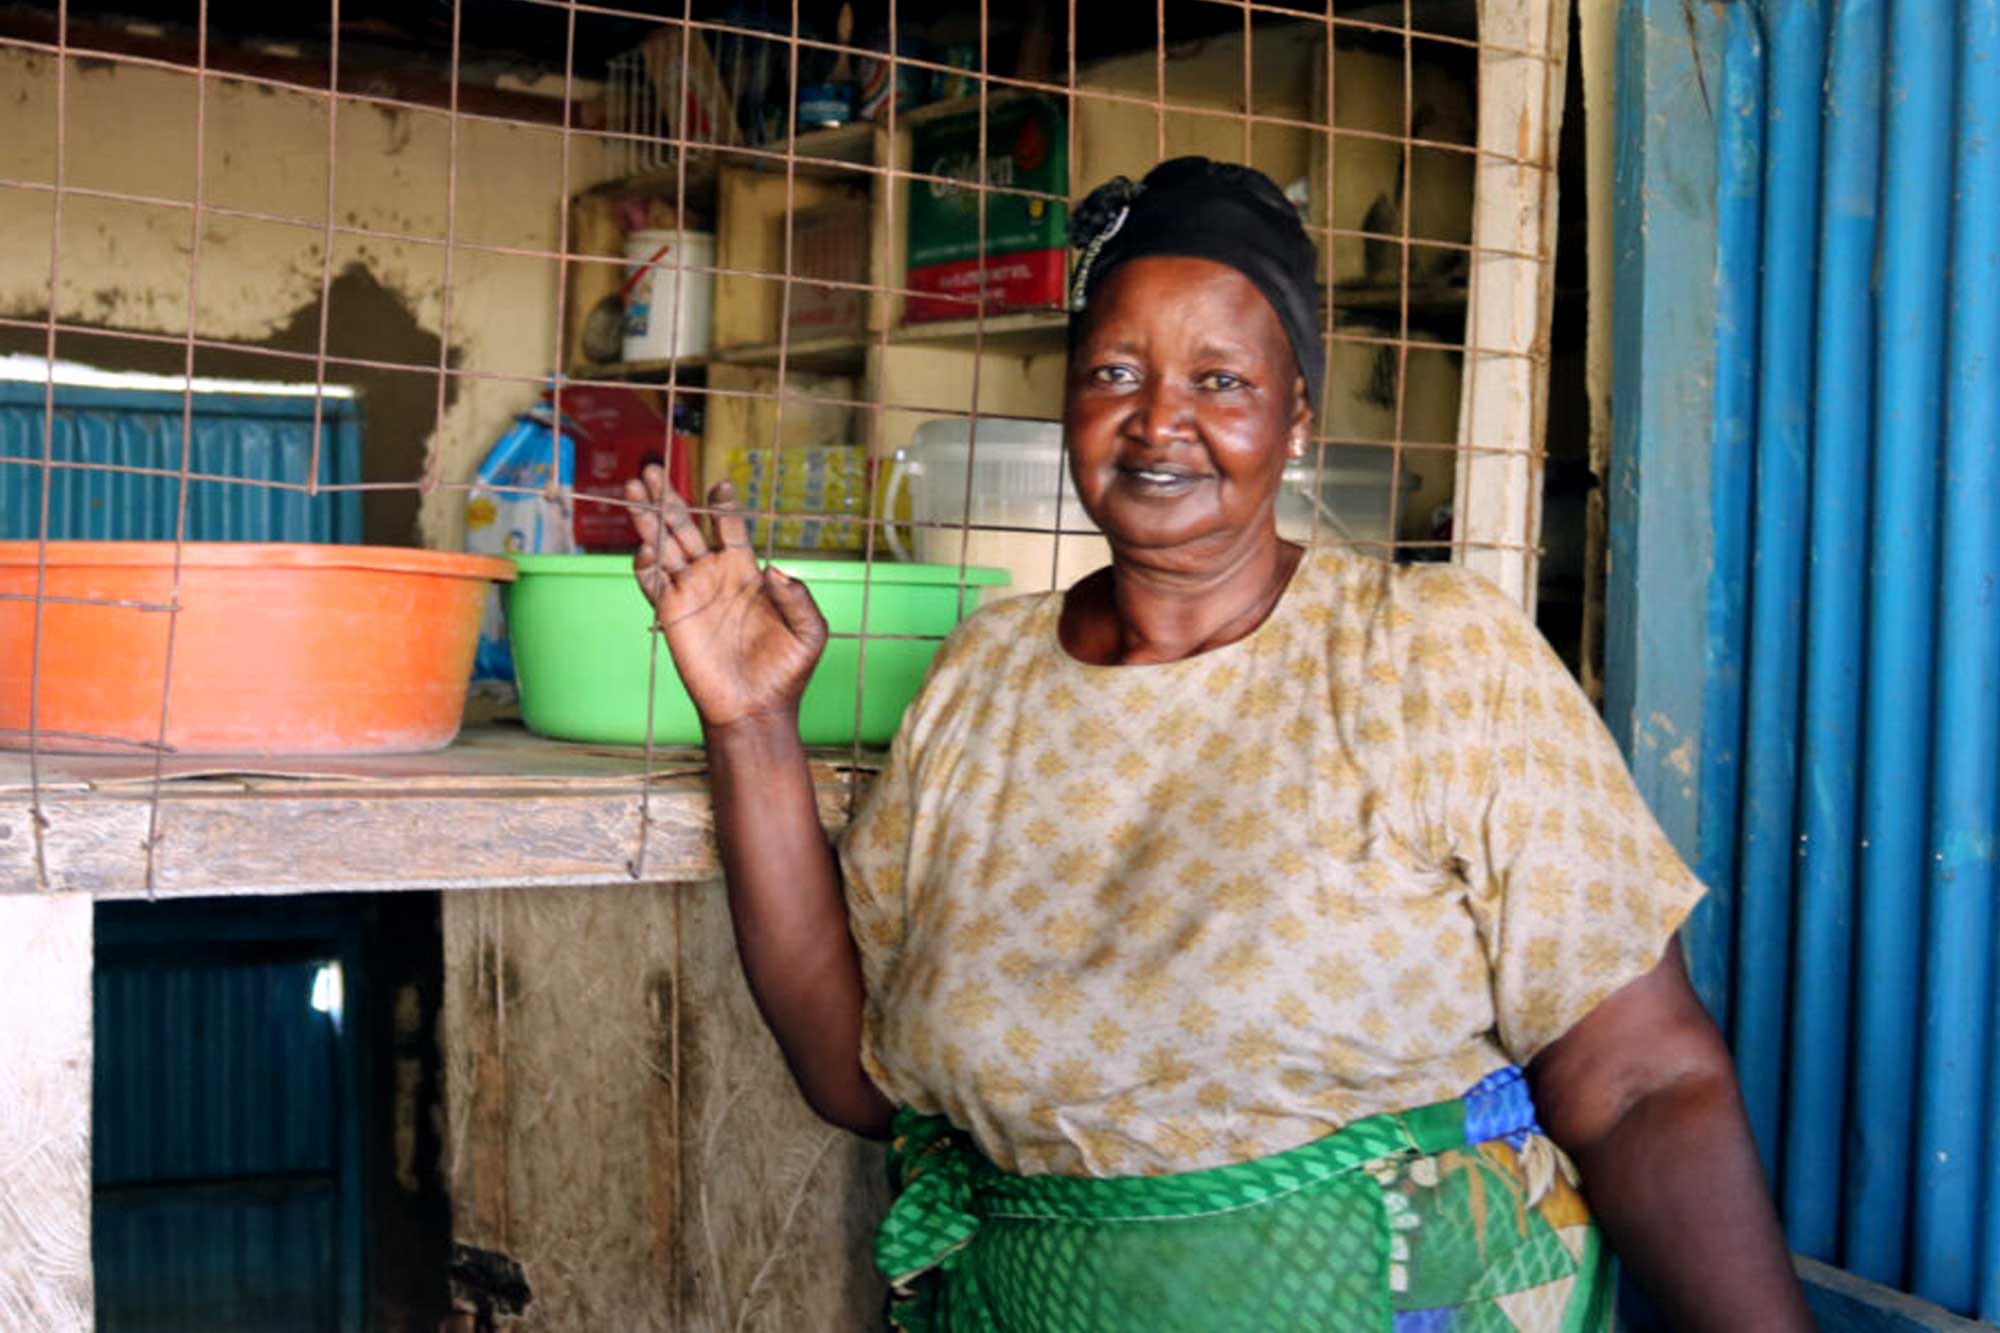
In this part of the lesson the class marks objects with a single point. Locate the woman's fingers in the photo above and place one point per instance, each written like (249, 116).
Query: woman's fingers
(642, 511)
(670, 511)
(730, 529)
(663, 555)
(657, 563)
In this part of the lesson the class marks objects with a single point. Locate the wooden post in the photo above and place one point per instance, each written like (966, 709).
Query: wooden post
(1503, 411)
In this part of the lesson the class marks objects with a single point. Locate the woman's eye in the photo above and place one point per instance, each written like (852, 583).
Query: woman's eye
(1219, 379)
(1112, 375)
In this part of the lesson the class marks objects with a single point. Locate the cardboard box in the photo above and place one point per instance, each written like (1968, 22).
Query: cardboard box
(1026, 258)
(618, 432)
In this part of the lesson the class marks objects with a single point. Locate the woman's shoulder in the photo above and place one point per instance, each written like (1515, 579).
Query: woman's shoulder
(1398, 616)
(1452, 589)
(1000, 628)
(1003, 618)
(1362, 586)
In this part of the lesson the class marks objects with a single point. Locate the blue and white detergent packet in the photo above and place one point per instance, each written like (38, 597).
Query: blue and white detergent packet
(513, 509)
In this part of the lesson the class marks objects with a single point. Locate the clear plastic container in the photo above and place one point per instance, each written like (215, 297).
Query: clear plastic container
(1019, 467)
(1018, 470)
(1343, 498)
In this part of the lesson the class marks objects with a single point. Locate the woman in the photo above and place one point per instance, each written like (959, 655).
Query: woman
(1199, 927)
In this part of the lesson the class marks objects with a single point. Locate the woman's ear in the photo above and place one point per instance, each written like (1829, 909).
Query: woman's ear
(1300, 434)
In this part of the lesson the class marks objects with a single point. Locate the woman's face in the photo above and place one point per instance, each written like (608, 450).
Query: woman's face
(1184, 402)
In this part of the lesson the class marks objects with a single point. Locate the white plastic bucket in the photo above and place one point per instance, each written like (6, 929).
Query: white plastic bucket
(651, 331)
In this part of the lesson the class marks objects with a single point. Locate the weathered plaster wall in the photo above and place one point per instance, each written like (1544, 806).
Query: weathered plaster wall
(621, 1124)
(45, 1113)
(126, 266)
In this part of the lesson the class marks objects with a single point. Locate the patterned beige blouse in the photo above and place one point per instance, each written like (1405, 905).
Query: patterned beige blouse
(1141, 919)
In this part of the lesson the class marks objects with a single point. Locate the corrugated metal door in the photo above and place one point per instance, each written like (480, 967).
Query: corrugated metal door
(253, 437)
(1849, 787)
(225, 1143)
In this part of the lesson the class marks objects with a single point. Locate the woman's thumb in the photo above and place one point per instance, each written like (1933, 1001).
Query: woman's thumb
(795, 604)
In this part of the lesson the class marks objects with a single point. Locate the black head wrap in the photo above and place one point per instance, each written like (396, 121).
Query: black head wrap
(1200, 209)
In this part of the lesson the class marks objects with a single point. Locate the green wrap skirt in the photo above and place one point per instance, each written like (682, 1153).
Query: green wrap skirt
(1452, 1218)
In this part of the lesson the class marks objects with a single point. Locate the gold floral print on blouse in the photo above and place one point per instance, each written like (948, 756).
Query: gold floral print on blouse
(1143, 919)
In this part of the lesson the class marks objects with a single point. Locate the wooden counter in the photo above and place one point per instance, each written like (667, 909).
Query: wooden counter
(500, 808)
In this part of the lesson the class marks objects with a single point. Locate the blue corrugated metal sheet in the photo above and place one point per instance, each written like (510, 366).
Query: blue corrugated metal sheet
(249, 437)
(215, 1160)
(226, 1139)
(1863, 816)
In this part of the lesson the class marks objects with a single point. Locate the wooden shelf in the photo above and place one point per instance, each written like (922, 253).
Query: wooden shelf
(665, 182)
(1427, 303)
(1015, 331)
(499, 808)
(829, 354)
(955, 106)
(687, 367)
(847, 145)
(846, 353)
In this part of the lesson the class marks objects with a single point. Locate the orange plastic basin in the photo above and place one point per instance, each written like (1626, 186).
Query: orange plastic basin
(277, 649)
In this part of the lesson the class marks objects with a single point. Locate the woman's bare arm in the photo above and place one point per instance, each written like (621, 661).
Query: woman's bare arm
(791, 921)
(744, 641)
(1642, 1095)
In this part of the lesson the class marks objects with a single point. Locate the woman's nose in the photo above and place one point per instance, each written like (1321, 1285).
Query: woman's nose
(1165, 413)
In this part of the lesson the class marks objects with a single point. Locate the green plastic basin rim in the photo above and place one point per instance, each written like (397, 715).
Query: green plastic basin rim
(806, 571)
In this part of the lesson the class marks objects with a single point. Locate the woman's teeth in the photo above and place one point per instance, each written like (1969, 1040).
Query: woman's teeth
(1157, 478)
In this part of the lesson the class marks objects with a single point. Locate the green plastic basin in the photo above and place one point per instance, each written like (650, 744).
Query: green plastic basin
(579, 629)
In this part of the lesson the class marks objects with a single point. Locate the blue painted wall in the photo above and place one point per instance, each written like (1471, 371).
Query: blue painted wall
(1664, 317)
(1830, 449)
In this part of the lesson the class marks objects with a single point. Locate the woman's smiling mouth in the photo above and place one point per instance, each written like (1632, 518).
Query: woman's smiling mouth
(1159, 480)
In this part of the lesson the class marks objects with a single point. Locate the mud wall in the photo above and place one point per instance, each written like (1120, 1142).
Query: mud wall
(263, 286)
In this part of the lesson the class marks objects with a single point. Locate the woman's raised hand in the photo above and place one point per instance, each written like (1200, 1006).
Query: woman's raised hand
(744, 639)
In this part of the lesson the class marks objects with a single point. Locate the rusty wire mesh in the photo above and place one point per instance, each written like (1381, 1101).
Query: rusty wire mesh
(1418, 98)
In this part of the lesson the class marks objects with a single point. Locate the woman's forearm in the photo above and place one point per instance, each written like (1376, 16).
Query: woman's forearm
(1677, 1187)
(790, 920)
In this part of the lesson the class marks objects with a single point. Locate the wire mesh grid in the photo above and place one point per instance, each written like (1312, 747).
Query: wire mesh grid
(1419, 149)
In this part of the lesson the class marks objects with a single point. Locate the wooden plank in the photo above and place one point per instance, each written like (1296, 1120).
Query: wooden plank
(828, 354)
(45, 1054)
(605, 1059)
(492, 754)
(686, 369)
(1503, 414)
(256, 836)
(594, 229)
(556, 1033)
(1022, 332)
(1844, 1303)
(251, 844)
(777, 1209)
(751, 221)
(924, 381)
